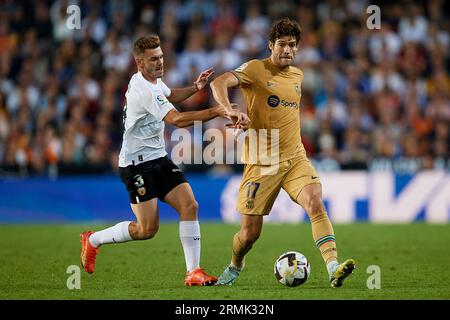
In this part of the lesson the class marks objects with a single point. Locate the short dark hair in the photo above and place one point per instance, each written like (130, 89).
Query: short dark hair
(144, 43)
(285, 27)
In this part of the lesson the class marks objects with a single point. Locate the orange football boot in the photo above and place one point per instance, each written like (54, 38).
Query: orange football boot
(88, 252)
(198, 277)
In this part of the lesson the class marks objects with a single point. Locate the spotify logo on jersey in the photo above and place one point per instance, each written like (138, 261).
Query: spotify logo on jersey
(273, 101)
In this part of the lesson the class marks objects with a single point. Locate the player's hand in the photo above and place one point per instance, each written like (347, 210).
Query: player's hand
(203, 78)
(225, 112)
(235, 115)
(242, 124)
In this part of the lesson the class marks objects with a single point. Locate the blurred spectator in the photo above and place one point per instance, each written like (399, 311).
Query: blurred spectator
(413, 26)
(223, 57)
(369, 97)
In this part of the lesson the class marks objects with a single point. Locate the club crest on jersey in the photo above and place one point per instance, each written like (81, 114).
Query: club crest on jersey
(161, 99)
(298, 88)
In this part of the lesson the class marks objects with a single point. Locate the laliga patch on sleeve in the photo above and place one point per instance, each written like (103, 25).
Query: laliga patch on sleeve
(162, 100)
(241, 67)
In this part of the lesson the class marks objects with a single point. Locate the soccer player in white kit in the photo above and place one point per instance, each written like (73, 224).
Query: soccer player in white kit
(144, 167)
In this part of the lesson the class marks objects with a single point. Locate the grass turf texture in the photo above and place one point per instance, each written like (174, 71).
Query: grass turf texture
(413, 260)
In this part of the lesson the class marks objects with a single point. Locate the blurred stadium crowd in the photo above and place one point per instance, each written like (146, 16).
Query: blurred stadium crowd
(371, 99)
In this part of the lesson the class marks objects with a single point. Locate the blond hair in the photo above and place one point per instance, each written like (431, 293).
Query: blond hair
(144, 43)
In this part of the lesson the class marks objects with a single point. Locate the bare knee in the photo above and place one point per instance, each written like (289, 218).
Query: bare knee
(188, 211)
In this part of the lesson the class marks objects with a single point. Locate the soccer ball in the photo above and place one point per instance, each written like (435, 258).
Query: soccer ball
(292, 269)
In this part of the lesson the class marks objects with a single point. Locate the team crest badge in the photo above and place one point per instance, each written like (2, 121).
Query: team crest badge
(298, 88)
(250, 204)
(141, 191)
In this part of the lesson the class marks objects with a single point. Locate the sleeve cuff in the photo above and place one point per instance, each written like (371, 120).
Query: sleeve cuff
(237, 77)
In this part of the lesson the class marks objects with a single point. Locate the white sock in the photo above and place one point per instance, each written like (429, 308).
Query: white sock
(331, 266)
(115, 234)
(190, 240)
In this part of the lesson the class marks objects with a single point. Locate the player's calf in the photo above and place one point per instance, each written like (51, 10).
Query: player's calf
(143, 233)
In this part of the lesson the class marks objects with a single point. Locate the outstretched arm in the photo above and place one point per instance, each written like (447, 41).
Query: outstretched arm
(219, 88)
(186, 119)
(181, 94)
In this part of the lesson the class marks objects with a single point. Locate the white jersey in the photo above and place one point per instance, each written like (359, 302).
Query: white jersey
(146, 106)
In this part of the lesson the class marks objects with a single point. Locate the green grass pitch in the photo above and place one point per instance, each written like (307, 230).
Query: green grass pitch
(414, 261)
